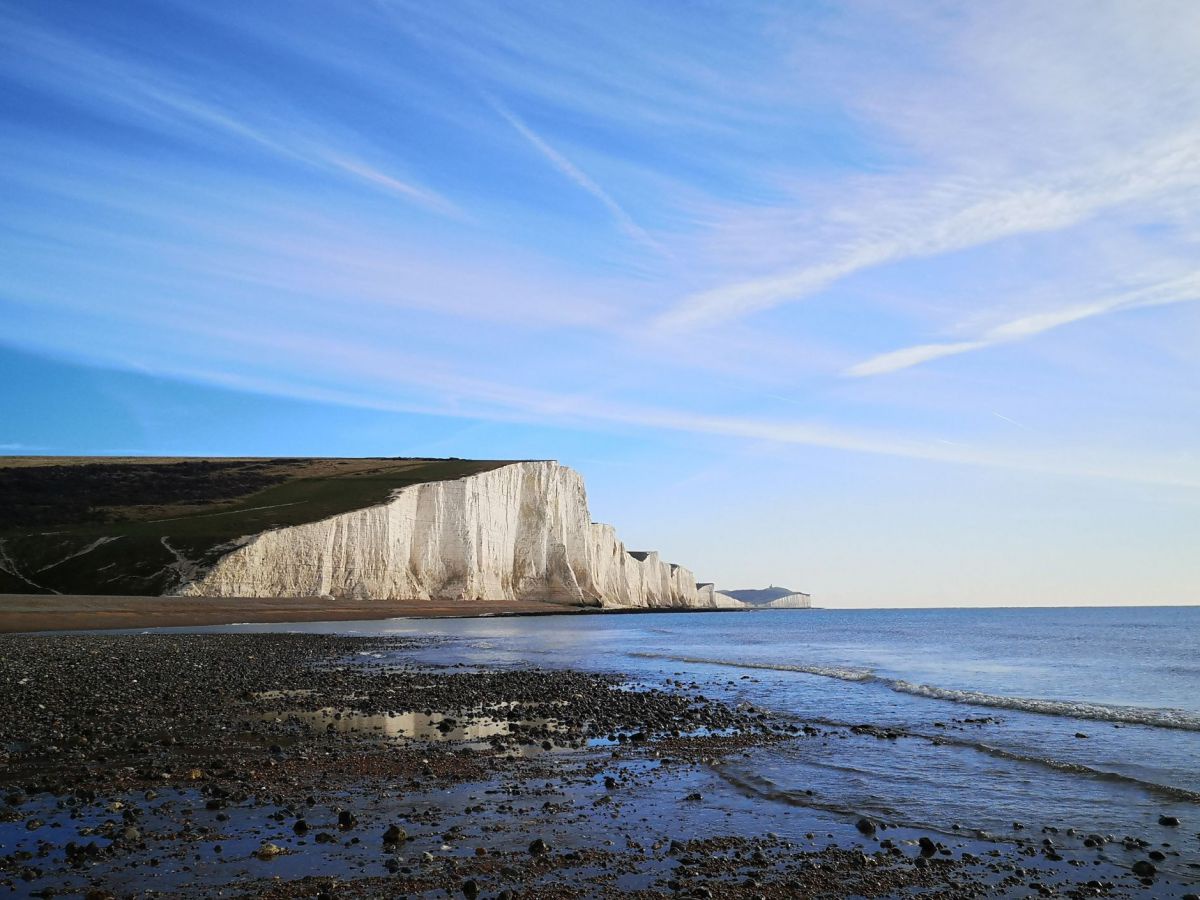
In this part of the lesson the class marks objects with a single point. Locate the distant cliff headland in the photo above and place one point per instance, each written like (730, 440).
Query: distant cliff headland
(386, 529)
(772, 597)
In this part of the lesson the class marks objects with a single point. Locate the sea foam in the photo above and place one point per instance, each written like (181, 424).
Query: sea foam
(1075, 709)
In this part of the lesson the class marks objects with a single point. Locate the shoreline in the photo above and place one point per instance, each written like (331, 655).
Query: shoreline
(27, 613)
(324, 765)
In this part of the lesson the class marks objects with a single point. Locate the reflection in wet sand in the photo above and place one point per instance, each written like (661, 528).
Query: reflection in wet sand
(524, 737)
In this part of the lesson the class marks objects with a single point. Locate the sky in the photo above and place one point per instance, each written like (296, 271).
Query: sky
(895, 303)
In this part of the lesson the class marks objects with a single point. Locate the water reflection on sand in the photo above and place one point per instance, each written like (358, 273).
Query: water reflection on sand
(523, 737)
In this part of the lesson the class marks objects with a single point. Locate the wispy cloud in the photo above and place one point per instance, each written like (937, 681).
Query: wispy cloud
(915, 221)
(1181, 290)
(412, 382)
(911, 356)
(1009, 420)
(624, 221)
(499, 403)
(163, 100)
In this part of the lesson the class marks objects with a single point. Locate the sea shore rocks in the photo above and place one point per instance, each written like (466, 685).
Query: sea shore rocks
(281, 765)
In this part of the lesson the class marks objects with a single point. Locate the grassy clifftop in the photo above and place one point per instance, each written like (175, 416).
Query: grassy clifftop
(139, 525)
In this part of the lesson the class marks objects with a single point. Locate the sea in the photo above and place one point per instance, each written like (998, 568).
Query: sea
(998, 722)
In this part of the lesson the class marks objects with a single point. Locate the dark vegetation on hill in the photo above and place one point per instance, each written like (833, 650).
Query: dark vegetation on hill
(89, 492)
(91, 525)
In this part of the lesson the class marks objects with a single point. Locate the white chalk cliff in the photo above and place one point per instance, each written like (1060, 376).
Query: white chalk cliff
(711, 598)
(518, 532)
(798, 600)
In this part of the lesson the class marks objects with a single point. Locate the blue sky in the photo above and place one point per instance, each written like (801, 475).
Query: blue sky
(893, 302)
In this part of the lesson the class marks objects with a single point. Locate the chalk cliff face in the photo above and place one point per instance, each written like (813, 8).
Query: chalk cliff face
(797, 600)
(793, 600)
(518, 532)
(711, 598)
(771, 597)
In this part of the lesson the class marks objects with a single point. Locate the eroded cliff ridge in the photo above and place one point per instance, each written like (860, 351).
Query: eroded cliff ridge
(518, 532)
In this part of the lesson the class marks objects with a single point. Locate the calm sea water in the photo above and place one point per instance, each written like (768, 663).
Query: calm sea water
(1092, 716)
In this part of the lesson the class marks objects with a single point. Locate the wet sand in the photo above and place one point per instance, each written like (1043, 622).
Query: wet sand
(286, 765)
(60, 612)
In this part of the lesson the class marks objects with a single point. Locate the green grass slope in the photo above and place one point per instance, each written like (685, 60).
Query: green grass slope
(108, 525)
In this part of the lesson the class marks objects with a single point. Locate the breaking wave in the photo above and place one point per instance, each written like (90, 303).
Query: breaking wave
(1074, 709)
(843, 672)
(1167, 791)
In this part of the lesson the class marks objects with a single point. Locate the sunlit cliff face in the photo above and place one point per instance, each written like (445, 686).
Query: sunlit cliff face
(520, 532)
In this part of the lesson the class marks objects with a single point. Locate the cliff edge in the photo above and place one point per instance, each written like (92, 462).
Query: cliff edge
(517, 532)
